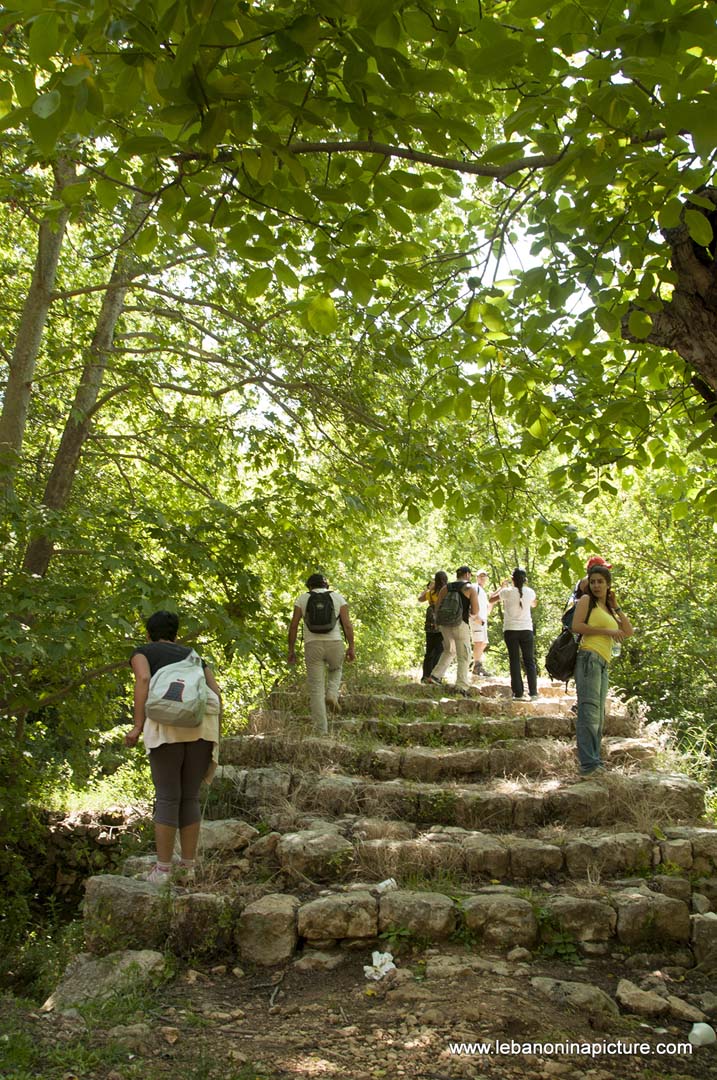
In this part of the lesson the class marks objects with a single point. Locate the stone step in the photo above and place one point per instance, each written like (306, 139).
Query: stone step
(121, 912)
(498, 804)
(306, 847)
(528, 757)
(480, 719)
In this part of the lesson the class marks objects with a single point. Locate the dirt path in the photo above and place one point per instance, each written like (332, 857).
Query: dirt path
(212, 1023)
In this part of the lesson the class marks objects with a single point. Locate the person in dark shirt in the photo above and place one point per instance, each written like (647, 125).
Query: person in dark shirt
(179, 758)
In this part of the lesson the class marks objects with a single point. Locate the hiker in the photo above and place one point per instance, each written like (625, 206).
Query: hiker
(518, 599)
(456, 602)
(581, 589)
(179, 757)
(602, 625)
(479, 624)
(434, 637)
(325, 614)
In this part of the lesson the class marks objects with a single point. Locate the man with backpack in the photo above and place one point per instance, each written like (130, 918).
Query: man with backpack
(325, 615)
(456, 602)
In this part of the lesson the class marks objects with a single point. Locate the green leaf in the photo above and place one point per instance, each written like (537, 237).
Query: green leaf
(529, 9)
(44, 39)
(463, 406)
(413, 514)
(47, 104)
(606, 320)
(73, 194)
(322, 315)
(258, 281)
(146, 240)
(145, 144)
(639, 324)
(670, 215)
(397, 217)
(422, 200)
(699, 227)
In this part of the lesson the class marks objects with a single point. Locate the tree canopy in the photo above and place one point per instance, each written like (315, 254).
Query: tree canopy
(370, 170)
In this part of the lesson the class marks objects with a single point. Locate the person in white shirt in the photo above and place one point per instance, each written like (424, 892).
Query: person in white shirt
(479, 624)
(518, 599)
(323, 648)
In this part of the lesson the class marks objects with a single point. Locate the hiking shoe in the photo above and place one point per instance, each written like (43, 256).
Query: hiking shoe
(594, 774)
(157, 876)
(535, 697)
(518, 697)
(460, 691)
(433, 682)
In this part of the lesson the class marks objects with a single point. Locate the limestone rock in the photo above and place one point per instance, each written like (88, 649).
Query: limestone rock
(264, 847)
(704, 846)
(642, 1002)
(230, 834)
(422, 763)
(266, 930)
(378, 829)
(266, 787)
(320, 856)
(89, 978)
(700, 904)
(533, 858)
(703, 938)
(645, 916)
(501, 919)
(676, 887)
(342, 915)
(385, 764)
(586, 803)
(431, 916)
(485, 856)
(201, 924)
(584, 919)
(477, 809)
(683, 1010)
(677, 852)
(608, 855)
(314, 960)
(576, 995)
(121, 912)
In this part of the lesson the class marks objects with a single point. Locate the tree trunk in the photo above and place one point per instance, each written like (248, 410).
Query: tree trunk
(687, 323)
(29, 334)
(79, 419)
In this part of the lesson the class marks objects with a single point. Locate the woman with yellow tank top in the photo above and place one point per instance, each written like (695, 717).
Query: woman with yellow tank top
(602, 625)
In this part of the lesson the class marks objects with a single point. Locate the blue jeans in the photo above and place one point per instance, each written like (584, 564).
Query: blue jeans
(591, 685)
(521, 642)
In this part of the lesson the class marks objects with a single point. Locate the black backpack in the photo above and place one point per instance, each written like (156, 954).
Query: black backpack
(320, 615)
(450, 610)
(562, 656)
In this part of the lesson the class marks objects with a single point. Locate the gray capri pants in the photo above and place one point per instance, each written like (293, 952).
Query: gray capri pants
(177, 773)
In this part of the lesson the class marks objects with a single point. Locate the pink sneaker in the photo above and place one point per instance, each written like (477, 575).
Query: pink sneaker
(157, 876)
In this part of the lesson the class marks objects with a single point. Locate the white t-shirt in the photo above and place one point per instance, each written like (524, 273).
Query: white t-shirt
(333, 635)
(482, 603)
(516, 617)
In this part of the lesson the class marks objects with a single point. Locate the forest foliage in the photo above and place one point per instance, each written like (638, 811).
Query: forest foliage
(370, 286)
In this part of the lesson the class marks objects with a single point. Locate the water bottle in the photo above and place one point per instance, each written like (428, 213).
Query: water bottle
(616, 648)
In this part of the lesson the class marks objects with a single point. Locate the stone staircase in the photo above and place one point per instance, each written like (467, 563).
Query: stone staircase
(473, 806)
